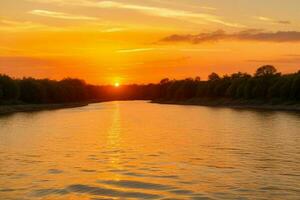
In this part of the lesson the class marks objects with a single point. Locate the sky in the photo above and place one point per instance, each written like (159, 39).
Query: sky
(143, 41)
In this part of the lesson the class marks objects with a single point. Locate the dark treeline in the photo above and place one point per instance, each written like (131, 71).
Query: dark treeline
(40, 91)
(266, 84)
(45, 91)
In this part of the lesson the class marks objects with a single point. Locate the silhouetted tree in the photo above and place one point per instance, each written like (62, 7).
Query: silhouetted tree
(32, 91)
(295, 87)
(198, 78)
(266, 70)
(9, 90)
(213, 77)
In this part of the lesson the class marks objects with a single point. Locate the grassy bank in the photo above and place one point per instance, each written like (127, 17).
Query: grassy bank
(246, 104)
(9, 109)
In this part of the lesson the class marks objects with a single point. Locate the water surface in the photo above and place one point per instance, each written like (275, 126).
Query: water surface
(139, 150)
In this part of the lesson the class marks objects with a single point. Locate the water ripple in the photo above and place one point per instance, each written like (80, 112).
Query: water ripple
(110, 192)
(137, 185)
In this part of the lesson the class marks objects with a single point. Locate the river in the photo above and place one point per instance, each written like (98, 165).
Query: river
(140, 150)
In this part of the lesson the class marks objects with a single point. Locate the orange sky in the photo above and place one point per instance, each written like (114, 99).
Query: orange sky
(144, 41)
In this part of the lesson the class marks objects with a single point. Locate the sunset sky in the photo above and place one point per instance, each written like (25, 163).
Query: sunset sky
(142, 41)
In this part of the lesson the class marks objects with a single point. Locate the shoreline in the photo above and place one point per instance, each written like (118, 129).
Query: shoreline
(236, 104)
(11, 109)
(219, 103)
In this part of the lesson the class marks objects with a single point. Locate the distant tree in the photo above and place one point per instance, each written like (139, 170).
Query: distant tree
(74, 89)
(240, 75)
(231, 90)
(266, 70)
(248, 89)
(285, 88)
(163, 88)
(222, 86)
(240, 90)
(53, 91)
(295, 87)
(32, 91)
(164, 81)
(201, 89)
(9, 88)
(1, 92)
(213, 77)
(274, 89)
(190, 88)
(260, 89)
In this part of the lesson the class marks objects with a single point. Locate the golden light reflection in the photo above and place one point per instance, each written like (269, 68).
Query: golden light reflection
(113, 142)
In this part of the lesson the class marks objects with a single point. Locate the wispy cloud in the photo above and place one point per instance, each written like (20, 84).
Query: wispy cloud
(60, 15)
(165, 12)
(273, 21)
(205, 50)
(151, 10)
(112, 30)
(15, 26)
(181, 4)
(135, 50)
(254, 35)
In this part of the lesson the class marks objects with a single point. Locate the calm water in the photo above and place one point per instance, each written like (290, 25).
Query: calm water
(138, 150)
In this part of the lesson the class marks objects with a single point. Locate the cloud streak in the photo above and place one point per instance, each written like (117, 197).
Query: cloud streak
(60, 15)
(168, 13)
(113, 30)
(16, 26)
(273, 21)
(135, 50)
(189, 16)
(248, 35)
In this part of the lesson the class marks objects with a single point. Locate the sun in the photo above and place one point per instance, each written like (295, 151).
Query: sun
(117, 84)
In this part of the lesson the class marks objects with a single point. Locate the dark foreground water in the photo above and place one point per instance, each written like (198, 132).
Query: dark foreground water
(138, 150)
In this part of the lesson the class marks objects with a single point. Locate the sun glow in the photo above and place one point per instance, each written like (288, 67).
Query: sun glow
(117, 84)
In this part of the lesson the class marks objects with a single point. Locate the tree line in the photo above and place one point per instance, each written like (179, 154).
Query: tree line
(69, 90)
(266, 84)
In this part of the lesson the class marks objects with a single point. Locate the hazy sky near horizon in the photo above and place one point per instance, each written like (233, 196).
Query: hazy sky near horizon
(146, 40)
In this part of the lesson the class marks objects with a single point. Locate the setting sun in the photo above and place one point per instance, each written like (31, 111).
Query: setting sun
(117, 84)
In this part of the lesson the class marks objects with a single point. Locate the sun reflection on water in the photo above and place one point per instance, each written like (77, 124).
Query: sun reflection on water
(113, 141)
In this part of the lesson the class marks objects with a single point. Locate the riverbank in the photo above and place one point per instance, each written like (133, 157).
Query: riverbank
(241, 104)
(9, 109)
